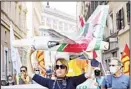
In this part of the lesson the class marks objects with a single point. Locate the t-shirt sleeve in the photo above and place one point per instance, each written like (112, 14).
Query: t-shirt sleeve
(41, 80)
(103, 84)
(78, 79)
(101, 80)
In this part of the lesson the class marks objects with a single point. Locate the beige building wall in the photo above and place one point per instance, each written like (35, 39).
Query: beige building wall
(123, 35)
(36, 17)
(15, 13)
(123, 39)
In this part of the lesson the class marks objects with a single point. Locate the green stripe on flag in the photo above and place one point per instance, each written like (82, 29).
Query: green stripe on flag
(97, 45)
(60, 49)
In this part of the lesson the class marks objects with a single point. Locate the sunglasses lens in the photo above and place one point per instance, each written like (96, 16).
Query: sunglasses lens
(22, 70)
(60, 66)
(57, 67)
(36, 70)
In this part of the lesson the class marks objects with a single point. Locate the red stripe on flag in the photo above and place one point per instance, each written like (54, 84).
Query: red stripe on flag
(94, 54)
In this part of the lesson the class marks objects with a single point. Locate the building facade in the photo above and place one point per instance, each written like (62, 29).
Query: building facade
(116, 30)
(59, 21)
(15, 13)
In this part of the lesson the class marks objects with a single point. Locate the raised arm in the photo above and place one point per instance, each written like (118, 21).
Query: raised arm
(29, 65)
(37, 78)
(90, 69)
(82, 78)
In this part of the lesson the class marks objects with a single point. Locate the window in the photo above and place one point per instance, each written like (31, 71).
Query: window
(128, 12)
(120, 19)
(5, 39)
(5, 66)
(114, 54)
(111, 24)
(54, 24)
(65, 27)
(48, 22)
(60, 26)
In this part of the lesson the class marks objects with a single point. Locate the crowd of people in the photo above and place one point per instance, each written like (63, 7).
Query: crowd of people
(24, 78)
(57, 78)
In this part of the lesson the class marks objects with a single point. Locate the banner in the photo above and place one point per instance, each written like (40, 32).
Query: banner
(15, 57)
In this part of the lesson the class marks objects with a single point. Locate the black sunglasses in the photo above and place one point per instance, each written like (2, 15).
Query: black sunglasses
(60, 66)
(112, 65)
(22, 70)
(37, 70)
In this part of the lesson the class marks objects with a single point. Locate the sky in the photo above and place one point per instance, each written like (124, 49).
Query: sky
(67, 7)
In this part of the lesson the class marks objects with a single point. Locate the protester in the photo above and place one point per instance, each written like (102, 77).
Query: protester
(48, 72)
(117, 80)
(23, 77)
(37, 71)
(10, 80)
(61, 81)
(98, 76)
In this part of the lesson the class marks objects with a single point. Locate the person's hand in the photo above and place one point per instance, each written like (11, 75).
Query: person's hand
(31, 50)
(22, 77)
(96, 84)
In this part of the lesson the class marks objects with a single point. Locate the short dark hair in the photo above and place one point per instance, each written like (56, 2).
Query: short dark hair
(9, 76)
(24, 67)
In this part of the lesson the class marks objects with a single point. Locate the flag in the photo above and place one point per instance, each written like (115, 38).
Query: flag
(77, 67)
(82, 22)
(41, 62)
(94, 63)
(74, 69)
(90, 55)
(15, 57)
(126, 60)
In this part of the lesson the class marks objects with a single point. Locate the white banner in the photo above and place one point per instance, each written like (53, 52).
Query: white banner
(15, 57)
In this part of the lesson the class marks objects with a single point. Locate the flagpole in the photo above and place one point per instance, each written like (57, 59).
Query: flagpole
(129, 39)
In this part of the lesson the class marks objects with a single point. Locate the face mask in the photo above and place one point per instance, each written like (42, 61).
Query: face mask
(97, 72)
(113, 70)
(37, 72)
